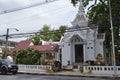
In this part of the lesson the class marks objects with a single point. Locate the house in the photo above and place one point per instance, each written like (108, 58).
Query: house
(50, 50)
(21, 45)
(81, 42)
(46, 49)
(10, 45)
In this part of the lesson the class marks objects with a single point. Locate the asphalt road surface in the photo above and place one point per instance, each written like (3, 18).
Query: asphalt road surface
(41, 77)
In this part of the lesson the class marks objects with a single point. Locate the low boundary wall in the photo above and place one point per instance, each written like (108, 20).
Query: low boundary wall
(102, 69)
(34, 68)
(94, 69)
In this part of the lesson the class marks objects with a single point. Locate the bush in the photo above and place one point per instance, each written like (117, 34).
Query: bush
(29, 56)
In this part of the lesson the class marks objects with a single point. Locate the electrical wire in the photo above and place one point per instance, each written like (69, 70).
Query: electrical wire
(33, 16)
(26, 7)
(45, 33)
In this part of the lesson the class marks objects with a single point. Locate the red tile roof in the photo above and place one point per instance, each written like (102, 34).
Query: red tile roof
(46, 48)
(42, 48)
(22, 45)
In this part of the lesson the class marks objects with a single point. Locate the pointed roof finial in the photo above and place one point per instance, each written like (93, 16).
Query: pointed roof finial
(81, 7)
(81, 18)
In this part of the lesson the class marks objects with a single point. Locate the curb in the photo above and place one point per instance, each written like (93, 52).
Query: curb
(54, 74)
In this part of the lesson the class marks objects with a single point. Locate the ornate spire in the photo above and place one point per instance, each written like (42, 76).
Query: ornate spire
(81, 20)
(81, 7)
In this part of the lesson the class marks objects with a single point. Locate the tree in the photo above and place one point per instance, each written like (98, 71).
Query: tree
(59, 33)
(99, 14)
(36, 39)
(86, 2)
(43, 35)
(46, 33)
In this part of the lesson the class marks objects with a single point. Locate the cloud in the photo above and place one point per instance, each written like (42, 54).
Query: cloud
(11, 4)
(56, 13)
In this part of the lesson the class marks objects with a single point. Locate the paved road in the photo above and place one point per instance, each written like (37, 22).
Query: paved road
(41, 77)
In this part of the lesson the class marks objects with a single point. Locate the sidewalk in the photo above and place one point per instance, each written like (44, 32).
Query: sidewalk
(68, 73)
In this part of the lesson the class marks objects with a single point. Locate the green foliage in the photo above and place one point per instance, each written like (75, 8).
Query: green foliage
(85, 2)
(36, 40)
(29, 56)
(74, 2)
(46, 33)
(58, 33)
(99, 14)
(4, 51)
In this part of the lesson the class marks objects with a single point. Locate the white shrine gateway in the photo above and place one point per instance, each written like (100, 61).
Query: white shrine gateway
(81, 42)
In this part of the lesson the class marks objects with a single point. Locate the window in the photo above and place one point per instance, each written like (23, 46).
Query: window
(87, 47)
(100, 43)
(0, 43)
(95, 68)
(98, 68)
(92, 68)
(105, 68)
(91, 47)
(12, 44)
(112, 69)
(75, 40)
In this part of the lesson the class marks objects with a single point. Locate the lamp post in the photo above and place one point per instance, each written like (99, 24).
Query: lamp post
(113, 47)
(6, 38)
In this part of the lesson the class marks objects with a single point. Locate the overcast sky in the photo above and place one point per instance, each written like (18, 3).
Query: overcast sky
(56, 13)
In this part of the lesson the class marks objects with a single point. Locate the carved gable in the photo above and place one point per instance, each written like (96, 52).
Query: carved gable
(80, 19)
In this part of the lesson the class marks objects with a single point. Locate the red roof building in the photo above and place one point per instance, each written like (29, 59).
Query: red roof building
(29, 44)
(51, 51)
(22, 45)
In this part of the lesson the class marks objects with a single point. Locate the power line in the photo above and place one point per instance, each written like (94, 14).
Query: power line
(49, 32)
(25, 7)
(49, 11)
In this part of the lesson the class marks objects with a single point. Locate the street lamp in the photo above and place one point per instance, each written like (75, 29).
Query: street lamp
(7, 35)
(113, 47)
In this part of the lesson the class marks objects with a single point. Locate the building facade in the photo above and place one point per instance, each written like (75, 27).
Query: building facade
(81, 42)
(11, 45)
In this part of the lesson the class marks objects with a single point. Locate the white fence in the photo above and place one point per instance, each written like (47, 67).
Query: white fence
(102, 69)
(94, 69)
(34, 68)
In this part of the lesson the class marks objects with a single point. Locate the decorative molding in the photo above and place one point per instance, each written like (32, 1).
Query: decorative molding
(80, 20)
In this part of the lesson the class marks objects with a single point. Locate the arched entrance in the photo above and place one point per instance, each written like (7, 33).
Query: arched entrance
(77, 49)
(79, 53)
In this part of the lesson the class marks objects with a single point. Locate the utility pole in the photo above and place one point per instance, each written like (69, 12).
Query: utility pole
(113, 47)
(7, 36)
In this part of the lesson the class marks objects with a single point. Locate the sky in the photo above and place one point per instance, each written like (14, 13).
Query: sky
(55, 14)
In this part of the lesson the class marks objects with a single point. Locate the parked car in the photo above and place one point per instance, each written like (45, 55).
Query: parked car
(8, 67)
